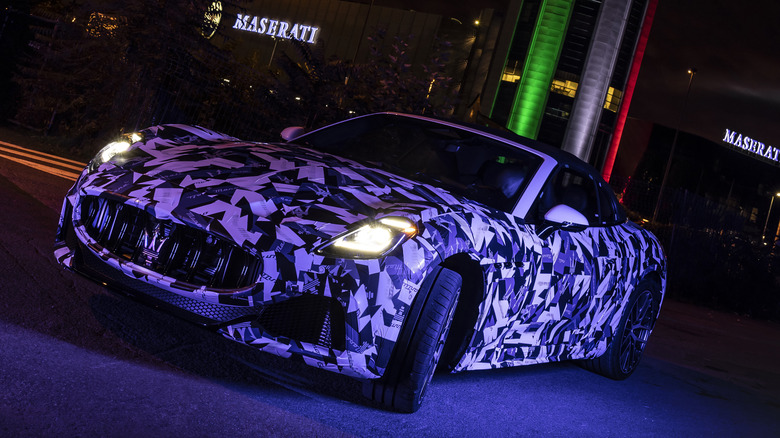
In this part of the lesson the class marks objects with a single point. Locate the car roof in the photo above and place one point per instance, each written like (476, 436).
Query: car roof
(552, 157)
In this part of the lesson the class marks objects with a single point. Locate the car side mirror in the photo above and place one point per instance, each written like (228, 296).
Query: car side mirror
(563, 217)
(292, 132)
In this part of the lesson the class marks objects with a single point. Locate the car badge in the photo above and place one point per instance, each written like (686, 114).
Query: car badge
(152, 241)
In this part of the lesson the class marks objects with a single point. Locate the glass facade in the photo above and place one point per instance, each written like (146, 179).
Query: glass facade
(539, 85)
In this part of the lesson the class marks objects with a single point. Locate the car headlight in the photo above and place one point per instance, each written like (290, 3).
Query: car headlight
(371, 240)
(113, 149)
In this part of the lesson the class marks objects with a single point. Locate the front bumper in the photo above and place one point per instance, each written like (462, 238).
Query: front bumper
(340, 315)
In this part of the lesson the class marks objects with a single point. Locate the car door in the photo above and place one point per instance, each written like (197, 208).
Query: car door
(614, 268)
(555, 312)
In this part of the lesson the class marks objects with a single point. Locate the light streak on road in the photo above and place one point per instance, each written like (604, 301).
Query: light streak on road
(51, 164)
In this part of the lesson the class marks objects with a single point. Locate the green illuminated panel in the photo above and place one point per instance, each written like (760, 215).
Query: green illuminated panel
(546, 43)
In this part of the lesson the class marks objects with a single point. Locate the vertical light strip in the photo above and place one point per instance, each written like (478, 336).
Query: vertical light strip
(633, 74)
(543, 52)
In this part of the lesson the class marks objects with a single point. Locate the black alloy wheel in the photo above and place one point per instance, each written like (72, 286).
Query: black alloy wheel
(626, 347)
(636, 331)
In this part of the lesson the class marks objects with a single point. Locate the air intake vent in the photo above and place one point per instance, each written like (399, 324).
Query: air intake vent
(314, 319)
(189, 255)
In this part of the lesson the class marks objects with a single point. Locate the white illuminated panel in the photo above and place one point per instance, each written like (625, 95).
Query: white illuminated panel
(276, 28)
(751, 145)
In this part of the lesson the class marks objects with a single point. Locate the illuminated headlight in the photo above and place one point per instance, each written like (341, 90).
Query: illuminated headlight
(113, 149)
(371, 240)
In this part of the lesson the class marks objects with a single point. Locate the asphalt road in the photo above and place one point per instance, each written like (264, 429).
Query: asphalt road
(78, 360)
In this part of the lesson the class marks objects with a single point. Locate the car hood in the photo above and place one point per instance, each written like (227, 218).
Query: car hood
(260, 195)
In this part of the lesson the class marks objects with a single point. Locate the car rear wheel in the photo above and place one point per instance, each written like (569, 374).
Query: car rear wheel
(420, 345)
(626, 348)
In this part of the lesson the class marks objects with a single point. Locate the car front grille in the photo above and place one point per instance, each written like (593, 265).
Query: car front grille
(186, 254)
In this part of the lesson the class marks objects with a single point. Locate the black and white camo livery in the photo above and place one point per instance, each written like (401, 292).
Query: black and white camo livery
(536, 290)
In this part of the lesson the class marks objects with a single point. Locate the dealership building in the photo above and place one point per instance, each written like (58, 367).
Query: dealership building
(559, 71)
(735, 180)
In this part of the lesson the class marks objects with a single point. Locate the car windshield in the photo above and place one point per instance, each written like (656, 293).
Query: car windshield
(465, 162)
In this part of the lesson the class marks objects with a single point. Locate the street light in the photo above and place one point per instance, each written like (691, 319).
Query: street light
(766, 222)
(691, 73)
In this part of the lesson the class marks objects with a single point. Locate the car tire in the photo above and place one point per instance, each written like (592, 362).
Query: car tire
(636, 323)
(404, 384)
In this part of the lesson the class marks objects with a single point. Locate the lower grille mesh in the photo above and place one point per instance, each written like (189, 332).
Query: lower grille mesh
(314, 319)
(214, 313)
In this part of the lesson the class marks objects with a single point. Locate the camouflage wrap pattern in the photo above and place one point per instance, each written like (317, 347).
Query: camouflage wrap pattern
(543, 299)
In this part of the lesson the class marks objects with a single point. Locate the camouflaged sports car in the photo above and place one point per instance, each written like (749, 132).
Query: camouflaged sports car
(378, 247)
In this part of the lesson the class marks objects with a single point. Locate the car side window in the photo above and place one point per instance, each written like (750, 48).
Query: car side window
(612, 212)
(572, 188)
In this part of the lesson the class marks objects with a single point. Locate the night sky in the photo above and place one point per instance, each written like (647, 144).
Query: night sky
(735, 46)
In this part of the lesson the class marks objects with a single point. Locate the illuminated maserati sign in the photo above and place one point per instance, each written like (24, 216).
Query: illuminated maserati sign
(276, 28)
(751, 145)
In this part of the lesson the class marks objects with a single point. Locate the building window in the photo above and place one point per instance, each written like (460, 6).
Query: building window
(510, 77)
(565, 87)
(511, 74)
(614, 97)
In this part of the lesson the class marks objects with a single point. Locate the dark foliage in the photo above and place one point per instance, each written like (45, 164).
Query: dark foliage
(319, 90)
(723, 270)
(88, 72)
(390, 82)
(309, 89)
(714, 251)
(102, 67)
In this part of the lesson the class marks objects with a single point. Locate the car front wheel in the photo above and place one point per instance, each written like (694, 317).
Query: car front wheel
(404, 384)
